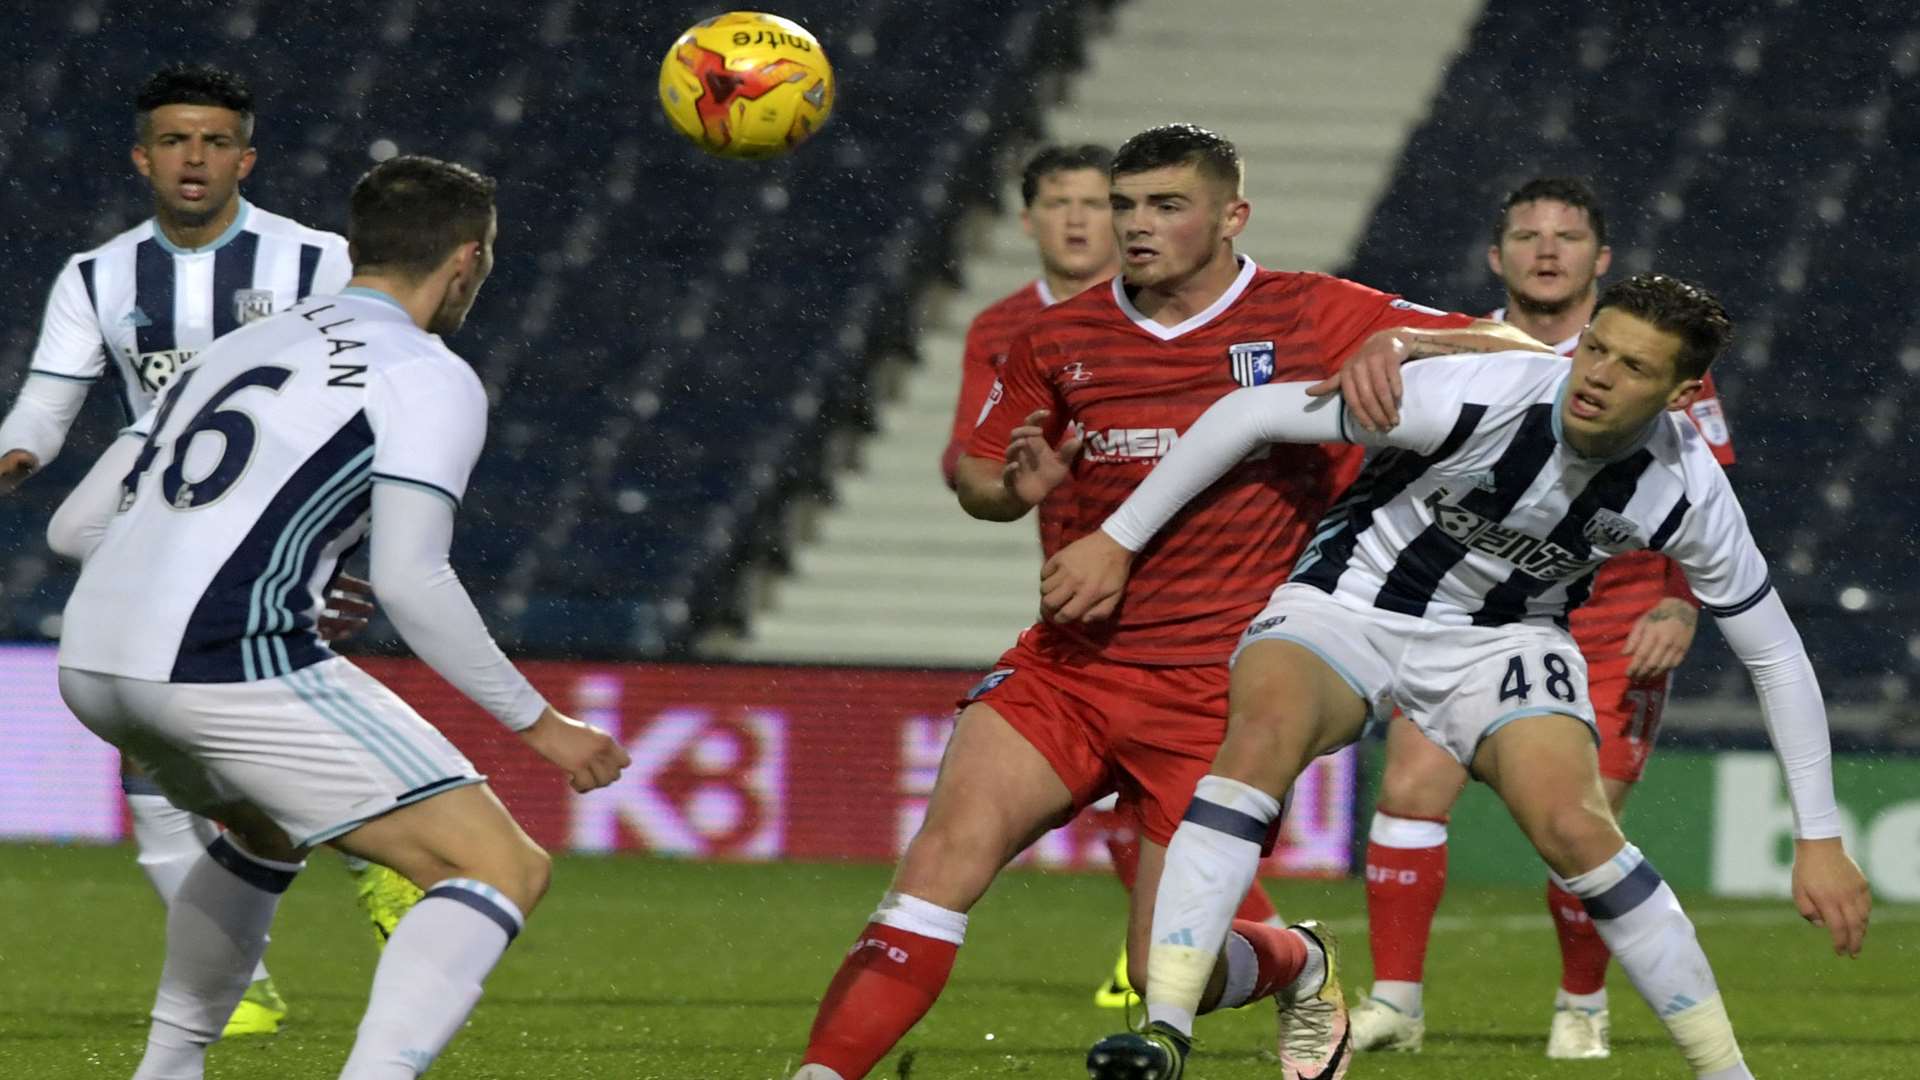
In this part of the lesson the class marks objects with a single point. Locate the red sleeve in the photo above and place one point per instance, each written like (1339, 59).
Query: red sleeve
(1676, 584)
(977, 373)
(1346, 313)
(1021, 388)
(1711, 421)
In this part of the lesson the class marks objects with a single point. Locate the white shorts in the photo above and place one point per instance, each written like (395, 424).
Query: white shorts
(1458, 684)
(320, 751)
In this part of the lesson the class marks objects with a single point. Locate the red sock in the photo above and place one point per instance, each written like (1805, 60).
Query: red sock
(885, 985)
(1583, 956)
(1403, 892)
(1281, 955)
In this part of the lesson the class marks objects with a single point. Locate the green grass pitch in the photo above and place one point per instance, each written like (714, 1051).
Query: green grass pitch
(642, 969)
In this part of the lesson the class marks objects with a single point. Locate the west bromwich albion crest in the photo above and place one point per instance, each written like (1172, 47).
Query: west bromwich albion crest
(1251, 362)
(1609, 530)
(251, 305)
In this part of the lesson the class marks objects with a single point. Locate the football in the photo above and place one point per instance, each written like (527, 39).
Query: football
(746, 85)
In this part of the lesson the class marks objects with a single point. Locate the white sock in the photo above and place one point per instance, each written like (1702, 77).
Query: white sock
(170, 840)
(1593, 1002)
(430, 977)
(1640, 919)
(1736, 1071)
(816, 1072)
(1404, 996)
(1210, 864)
(216, 931)
(1243, 970)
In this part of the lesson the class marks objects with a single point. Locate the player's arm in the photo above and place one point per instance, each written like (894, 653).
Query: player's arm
(1370, 378)
(1084, 580)
(429, 421)
(67, 359)
(1021, 449)
(976, 379)
(1712, 543)
(81, 522)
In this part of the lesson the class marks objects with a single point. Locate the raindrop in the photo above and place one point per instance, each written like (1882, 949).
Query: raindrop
(630, 501)
(861, 43)
(49, 625)
(508, 109)
(773, 197)
(1855, 598)
(382, 149)
(1838, 495)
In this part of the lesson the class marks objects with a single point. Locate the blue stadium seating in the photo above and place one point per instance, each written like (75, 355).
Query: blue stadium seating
(1786, 178)
(667, 338)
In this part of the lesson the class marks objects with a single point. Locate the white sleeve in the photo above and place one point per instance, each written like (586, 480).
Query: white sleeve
(412, 531)
(429, 421)
(1706, 533)
(1764, 639)
(1225, 434)
(67, 359)
(334, 270)
(82, 520)
(1715, 549)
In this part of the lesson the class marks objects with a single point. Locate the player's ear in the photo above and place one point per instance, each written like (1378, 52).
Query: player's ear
(1603, 262)
(142, 164)
(247, 159)
(1498, 265)
(1685, 393)
(1234, 222)
(1026, 221)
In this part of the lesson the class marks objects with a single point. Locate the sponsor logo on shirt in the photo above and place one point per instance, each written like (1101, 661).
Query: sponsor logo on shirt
(993, 398)
(157, 369)
(136, 318)
(1539, 559)
(993, 679)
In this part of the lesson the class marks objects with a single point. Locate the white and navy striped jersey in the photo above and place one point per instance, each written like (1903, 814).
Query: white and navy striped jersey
(1476, 511)
(256, 479)
(138, 307)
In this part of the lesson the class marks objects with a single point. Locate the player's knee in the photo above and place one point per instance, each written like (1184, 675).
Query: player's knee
(1576, 838)
(533, 871)
(1269, 739)
(1417, 791)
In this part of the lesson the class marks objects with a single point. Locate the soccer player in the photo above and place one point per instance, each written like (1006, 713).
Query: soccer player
(133, 312)
(1441, 585)
(1549, 249)
(282, 446)
(1067, 715)
(1063, 190)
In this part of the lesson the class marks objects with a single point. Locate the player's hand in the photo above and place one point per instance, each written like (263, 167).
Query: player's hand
(1370, 381)
(15, 466)
(1083, 581)
(1660, 639)
(1831, 891)
(349, 606)
(591, 758)
(1033, 467)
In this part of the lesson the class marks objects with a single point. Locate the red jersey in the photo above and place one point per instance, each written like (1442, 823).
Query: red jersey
(989, 337)
(1628, 586)
(1134, 385)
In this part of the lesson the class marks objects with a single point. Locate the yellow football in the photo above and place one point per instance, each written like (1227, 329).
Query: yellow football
(746, 85)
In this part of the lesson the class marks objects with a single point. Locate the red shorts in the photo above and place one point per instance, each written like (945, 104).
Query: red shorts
(1628, 714)
(1148, 732)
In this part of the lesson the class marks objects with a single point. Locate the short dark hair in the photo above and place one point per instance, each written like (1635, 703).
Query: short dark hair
(1681, 308)
(409, 213)
(194, 84)
(1571, 190)
(1180, 144)
(1059, 159)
